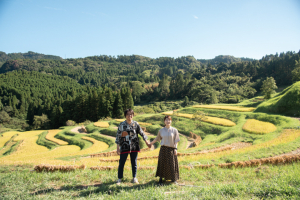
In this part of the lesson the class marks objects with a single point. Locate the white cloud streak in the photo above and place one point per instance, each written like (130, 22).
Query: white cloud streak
(195, 16)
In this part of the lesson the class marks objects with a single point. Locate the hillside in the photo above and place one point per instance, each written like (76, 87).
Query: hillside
(29, 55)
(223, 59)
(148, 80)
(286, 102)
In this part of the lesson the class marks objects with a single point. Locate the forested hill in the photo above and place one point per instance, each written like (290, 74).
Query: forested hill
(35, 84)
(223, 59)
(29, 55)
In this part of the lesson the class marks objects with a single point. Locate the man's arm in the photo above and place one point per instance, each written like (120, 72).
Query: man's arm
(118, 139)
(141, 132)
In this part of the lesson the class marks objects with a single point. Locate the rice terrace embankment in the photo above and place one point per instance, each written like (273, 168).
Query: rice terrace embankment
(240, 153)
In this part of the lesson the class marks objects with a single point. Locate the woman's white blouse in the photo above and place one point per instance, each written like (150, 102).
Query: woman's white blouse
(168, 136)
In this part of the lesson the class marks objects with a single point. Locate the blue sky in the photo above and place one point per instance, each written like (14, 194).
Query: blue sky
(203, 29)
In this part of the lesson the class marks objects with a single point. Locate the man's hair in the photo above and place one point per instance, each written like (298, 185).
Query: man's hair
(167, 117)
(128, 111)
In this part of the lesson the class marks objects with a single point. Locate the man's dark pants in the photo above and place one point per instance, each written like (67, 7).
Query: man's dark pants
(123, 158)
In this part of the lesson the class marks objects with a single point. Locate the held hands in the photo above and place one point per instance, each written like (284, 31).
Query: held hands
(148, 144)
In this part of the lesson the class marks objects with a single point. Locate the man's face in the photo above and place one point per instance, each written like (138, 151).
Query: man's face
(129, 117)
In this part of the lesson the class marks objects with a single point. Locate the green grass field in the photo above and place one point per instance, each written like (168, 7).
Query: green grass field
(266, 182)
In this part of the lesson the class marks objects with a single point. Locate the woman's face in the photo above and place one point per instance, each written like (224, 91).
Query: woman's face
(168, 121)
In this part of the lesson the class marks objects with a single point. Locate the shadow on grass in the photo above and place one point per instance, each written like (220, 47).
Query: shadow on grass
(109, 188)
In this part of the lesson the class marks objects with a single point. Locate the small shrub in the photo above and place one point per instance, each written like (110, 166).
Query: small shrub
(70, 123)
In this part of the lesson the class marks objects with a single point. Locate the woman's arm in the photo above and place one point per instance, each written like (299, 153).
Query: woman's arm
(175, 150)
(158, 138)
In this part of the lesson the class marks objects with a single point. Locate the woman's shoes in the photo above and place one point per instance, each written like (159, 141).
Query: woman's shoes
(160, 182)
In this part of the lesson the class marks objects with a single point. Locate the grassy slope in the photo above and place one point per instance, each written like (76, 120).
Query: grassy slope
(286, 102)
(268, 182)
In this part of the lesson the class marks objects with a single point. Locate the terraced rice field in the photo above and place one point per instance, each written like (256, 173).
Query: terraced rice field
(231, 108)
(101, 124)
(208, 119)
(258, 127)
(6, 137)
(213, 150)
(50, 137)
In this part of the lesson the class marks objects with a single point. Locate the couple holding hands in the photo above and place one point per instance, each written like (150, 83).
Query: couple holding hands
(128, 143)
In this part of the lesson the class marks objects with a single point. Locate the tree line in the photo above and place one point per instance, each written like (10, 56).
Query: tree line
(101, 86)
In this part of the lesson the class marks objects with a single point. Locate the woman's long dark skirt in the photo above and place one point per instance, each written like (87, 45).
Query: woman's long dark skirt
(167, 166)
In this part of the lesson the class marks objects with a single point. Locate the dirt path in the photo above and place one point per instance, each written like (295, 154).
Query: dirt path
(296, 118)
(189, 141)
(77, 129)
(295, 152)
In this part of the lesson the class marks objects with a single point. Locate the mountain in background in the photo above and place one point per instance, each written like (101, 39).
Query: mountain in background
(29, 55)
(225, 59)
(136, 58)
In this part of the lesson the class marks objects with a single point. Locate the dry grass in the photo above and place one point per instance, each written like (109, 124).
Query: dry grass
(50, 137)
(31, 153)
(54, 168)
(97, 146)
(140, 123)
(168, 113)
(113, 153)
(212, 120)
(231, 108)
(101, 124)
(288, 135)
(258, 127)
(144, 124)
(197, 138)
(27, 134)
(6, 136)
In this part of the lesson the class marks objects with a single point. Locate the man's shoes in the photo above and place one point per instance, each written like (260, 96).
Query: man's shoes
(134, 180)
(119, 181)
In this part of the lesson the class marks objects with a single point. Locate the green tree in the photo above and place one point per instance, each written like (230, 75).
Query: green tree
(41, 122)
(198, 117)
(214, 97)
(185, 101)
(118, 106)
(296, 72)
(268, 87)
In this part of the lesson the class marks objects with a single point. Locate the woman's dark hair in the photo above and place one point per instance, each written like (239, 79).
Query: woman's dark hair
(128, 111)
(167, 117)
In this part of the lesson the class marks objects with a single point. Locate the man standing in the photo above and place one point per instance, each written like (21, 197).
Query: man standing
(127, 141)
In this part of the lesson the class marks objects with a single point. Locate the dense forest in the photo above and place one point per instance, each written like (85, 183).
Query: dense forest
(36, 87)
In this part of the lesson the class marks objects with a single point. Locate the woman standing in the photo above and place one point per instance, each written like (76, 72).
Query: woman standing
(167, 166)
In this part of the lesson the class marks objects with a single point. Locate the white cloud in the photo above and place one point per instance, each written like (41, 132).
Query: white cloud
(195, 17)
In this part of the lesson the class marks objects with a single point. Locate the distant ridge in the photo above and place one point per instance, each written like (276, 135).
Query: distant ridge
(29, 55)
(223, 58)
